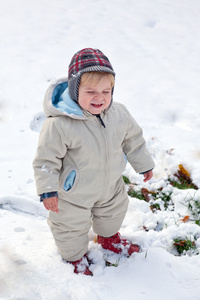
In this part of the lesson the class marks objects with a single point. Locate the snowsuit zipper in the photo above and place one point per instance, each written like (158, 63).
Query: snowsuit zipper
(101, 121)
(105, 151)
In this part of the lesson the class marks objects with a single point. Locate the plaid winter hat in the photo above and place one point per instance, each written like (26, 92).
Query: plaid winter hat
(86, 60)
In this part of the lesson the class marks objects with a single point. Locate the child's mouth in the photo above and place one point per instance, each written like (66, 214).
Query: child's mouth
(96, 105)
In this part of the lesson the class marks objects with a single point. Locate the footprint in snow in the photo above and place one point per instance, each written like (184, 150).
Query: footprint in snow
(19, 229)
(20, 262)
(150, 23)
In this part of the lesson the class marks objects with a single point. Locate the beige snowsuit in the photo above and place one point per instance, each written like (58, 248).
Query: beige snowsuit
(83, 162)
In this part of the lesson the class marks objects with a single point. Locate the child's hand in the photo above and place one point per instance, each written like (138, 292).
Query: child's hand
(148, 175)
(51, 204)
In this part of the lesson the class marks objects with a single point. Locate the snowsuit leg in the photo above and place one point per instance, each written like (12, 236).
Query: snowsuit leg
(70, 229)
(71, 225)
(108, 215)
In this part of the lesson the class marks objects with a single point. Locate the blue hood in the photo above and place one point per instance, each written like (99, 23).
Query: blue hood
(57, 101)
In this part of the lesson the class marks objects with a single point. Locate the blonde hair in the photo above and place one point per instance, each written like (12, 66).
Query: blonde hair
(95, 77)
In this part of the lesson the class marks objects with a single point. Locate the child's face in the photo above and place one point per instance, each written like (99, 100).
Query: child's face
(95, 97)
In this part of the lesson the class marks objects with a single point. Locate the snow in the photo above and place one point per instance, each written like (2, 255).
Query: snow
(154, 48)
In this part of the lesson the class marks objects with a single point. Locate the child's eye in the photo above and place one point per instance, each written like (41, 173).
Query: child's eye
(106, 92)
(90, 92)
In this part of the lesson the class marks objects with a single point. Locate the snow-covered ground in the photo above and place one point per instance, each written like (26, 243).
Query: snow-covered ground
(154, 47)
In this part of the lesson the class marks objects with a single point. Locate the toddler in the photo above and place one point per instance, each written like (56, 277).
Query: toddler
(82, 151)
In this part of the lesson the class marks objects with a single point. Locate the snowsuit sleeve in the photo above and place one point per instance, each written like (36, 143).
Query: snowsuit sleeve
(134, 147)
(48, 160)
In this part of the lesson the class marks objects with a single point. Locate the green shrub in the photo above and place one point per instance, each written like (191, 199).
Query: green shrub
(184, 245)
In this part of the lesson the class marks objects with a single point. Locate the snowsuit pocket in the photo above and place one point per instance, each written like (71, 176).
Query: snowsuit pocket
(69, 180)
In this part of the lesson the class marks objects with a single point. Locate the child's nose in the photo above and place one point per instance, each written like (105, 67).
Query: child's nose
(98, 96)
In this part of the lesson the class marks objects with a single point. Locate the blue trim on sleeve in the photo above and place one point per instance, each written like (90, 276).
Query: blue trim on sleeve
(48, 195)
(146, 172)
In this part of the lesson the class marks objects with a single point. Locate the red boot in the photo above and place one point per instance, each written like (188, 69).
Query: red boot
(118, 245)
(81, 266)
